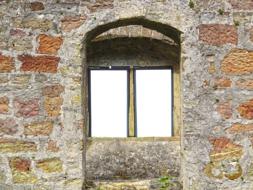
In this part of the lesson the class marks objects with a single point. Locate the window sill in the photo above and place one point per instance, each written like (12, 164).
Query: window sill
(137, 139)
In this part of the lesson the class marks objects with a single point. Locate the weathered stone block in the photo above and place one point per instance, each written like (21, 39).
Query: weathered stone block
(211, 68)
(246, 109)
(20, 81)
(69, 23)
(44, 128)
(218, 34)
(224, 149)
(53, 106)
(8, 126)
(53, 90)
(20, 164)
(49, 44)
(242, 4)
(222, 83)
(245, 84)
(238, 62)
(40, 78)
(240, 128)
(76, 100)
(2, 176)
(6, 64)
(37, 6)
(4, 79)
(6, 187)
(27, 108)
(225, 110)
(3, 43)
(17, 32)
(34, 23)
(21, 44)
(224, 158)
(4, 105)
(21, 170)
(46, 64)
(15, 145)
(50, 165)
(52, 146)
(231, 170)
(97, 5)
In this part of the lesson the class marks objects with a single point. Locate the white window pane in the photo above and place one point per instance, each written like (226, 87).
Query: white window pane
(154, 103)
(108, 103)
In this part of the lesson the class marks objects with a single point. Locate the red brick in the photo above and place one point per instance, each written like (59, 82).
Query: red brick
(53, 90)
(8, 126)
(20, 164)
(224, 148)
(219, 144)
(222, 83)
(238, 62)
(47, 64)
(241, 4)
(240, 128)
(218, 34)
(49, 44)
(225, 110)
(37, 6)
(26, 109)
(4, 105)
(69, 23)
(245, 84)
(246, 109)
(6, 64)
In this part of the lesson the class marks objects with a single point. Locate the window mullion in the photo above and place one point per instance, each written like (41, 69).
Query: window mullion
(131, 117)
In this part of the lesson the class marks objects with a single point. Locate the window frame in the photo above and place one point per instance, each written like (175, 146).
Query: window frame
(131, 70)
(135, 68)
(110, 68)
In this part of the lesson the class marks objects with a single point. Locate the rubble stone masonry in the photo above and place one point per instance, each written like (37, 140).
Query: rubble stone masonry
(43, 93)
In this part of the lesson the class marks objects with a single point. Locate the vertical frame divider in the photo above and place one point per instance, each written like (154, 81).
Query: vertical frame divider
(131, 116)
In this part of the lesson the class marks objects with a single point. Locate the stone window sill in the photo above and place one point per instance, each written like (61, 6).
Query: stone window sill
(137, 139)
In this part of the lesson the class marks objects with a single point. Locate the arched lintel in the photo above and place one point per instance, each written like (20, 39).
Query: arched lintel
(165, 29)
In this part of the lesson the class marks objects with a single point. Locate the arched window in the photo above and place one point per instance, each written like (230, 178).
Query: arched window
(132, 80)
(133, 74)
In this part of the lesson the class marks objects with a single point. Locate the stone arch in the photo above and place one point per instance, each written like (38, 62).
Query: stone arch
(165, 29)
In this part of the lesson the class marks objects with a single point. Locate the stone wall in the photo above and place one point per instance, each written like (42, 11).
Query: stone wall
(43, 101)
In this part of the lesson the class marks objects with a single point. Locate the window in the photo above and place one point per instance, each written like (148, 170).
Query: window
(153, 102)
(134, 102)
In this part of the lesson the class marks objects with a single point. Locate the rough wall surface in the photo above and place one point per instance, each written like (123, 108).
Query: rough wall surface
(42, 57)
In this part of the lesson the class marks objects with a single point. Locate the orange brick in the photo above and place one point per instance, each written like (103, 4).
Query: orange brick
(47, 64)
(238, 62)
(246, 109)
(49, 44)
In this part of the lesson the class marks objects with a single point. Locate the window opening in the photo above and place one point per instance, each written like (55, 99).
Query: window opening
(130, 102)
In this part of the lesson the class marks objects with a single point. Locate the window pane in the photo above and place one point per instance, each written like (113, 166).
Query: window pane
(108, 103)
(154, 103)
